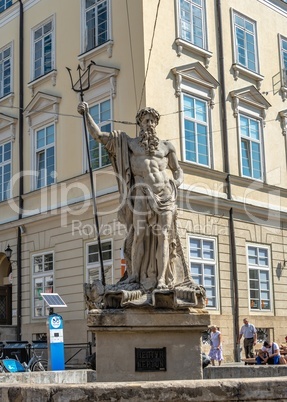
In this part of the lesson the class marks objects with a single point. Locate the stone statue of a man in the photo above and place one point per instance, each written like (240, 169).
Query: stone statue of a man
(147, 196)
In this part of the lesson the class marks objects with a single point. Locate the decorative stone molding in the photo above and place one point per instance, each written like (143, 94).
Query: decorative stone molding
(104, 77)
(7, 127)
(237, 70)
(283, 91)
(86, 57)
(113, 83)
(37, 82)
(7, 100)
(43, 107)
(283, 121)
(196, 75)
(182, 44)
(251, 97)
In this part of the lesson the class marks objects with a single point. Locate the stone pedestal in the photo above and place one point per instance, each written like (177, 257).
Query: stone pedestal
(148, 344)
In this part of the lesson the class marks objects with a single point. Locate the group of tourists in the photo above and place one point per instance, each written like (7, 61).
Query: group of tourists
(268, 354)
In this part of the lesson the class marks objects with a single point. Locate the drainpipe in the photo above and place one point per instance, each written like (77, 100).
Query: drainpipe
(228, 184)
(21, 165)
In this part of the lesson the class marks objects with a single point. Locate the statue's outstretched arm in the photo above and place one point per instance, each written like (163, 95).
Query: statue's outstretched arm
(93, 128)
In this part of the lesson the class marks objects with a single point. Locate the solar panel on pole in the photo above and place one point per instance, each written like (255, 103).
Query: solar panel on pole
(53, 300)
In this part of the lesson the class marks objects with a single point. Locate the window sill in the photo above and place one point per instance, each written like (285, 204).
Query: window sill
(7, 100)
(49, 76)
(182, 44)
(240, 70)
(106, 47)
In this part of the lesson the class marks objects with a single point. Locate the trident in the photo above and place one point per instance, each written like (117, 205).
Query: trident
(81, 90)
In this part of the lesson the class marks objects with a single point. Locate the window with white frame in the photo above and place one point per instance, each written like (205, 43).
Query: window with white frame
(284, 60)
(196, 132)
(203, 266)
(5, 170)
(96, 23)
(45, 155)
(5, 71)
(4, 4)
(192, 22)
(245, 42)
(101, 113)
(43, 49)
(259, 277)
(43, 281)
(93, 261)
(251, 147)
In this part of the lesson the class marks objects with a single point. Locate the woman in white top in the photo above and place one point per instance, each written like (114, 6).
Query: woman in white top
(215, 352)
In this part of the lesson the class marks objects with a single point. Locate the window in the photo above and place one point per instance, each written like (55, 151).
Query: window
(43, 281)
(245, 42)
(5, 4)
(196, 138)
(96, 22)
(5, 71)
(259, 278)
(284, 61)
(192, 26)
(45, 156)
(250, 139)
(101, 113)
(93, 261)
(202, 257)
(43, 40)
(5, 170)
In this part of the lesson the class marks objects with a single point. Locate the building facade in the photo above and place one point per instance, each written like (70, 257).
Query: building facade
(216, 72)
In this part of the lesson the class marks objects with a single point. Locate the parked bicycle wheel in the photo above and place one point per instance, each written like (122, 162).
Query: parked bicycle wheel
(40, 365)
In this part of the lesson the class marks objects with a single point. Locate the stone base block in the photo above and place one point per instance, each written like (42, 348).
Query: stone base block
(148, 344)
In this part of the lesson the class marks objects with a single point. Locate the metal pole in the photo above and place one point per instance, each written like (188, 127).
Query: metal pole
(81, 91)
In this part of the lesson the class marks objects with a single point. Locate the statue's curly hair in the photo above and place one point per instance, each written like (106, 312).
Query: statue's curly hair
(141, 113)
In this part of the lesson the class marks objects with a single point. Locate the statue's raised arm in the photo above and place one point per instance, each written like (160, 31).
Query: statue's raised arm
(93, 128)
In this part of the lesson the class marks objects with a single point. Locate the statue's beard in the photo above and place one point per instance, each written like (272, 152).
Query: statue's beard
(149, 140)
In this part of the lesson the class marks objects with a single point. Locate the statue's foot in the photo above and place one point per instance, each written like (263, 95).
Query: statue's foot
(161, 284)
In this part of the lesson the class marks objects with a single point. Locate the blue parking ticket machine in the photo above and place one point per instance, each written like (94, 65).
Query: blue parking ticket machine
(56, 355)
(56, 342)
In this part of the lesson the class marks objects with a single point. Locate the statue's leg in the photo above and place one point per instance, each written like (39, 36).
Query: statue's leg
(140, 227)
(162, 253)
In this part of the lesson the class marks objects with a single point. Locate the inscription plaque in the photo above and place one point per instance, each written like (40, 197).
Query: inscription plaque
(150, 359)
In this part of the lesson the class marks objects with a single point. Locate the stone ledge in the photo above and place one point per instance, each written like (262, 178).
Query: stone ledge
(146, 317)
(242, 371)
(255, 390)
(49, 377)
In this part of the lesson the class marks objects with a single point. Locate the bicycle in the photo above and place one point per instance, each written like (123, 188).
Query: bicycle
(35, 363)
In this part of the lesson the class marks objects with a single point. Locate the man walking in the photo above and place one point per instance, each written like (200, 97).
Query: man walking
(250, 337)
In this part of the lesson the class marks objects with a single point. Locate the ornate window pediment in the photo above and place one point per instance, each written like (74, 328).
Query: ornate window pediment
(43, 107)
(250, 99)
(103, 79)
(7, 127)
(196, 75)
